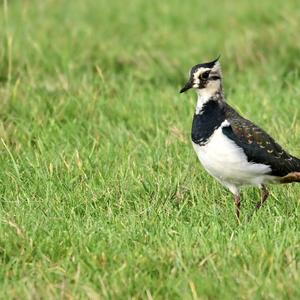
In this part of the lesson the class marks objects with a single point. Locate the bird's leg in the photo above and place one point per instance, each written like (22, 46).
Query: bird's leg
(237, 201)
(264, 193)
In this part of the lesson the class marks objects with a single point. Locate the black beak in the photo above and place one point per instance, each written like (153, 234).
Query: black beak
(187, 86)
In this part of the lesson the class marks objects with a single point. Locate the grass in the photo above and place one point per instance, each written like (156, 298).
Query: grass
(102, 196)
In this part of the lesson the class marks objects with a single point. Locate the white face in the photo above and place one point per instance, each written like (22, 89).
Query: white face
(203, 77)
(207, 81)
(198, 76)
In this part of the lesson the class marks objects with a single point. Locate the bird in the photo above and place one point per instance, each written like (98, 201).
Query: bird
(232, 149)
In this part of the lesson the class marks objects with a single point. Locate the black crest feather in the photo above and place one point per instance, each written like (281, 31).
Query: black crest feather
(209, 65)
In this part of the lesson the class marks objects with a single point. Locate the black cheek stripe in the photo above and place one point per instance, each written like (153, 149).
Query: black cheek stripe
(214, 77)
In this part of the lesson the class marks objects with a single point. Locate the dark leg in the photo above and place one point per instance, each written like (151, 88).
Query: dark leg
(264, 193)
(237, 201)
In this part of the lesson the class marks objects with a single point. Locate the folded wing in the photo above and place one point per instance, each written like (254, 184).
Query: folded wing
(258, 146)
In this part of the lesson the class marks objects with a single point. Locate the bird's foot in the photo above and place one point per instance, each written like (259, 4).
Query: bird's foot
(264, 195)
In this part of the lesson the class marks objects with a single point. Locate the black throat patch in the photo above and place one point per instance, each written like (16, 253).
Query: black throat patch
(207, 121)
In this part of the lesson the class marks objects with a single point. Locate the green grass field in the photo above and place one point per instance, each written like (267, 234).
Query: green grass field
(102, 196)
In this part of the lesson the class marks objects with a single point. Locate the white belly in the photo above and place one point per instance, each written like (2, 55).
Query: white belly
(227, 162)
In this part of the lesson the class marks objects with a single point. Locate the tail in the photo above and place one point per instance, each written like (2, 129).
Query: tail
(294, 173)
(291, 177)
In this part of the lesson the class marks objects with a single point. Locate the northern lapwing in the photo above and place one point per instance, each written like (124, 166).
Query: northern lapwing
(231, 148)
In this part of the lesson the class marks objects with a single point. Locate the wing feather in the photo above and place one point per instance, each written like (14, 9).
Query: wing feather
(258, 145)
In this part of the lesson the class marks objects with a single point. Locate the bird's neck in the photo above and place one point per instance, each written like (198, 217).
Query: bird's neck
(205, 95)
(209, 119)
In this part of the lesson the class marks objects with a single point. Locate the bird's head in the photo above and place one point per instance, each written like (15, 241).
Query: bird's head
(205, 78)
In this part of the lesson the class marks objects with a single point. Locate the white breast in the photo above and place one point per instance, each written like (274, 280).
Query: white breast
(227, 162)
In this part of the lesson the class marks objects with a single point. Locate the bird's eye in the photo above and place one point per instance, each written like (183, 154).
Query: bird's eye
(204, 75)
